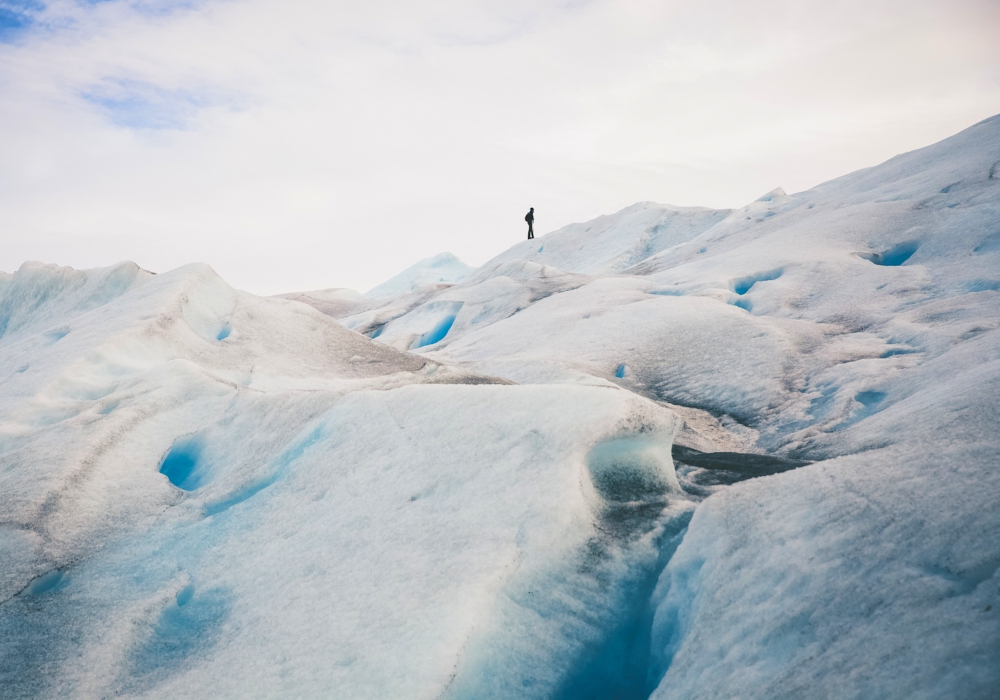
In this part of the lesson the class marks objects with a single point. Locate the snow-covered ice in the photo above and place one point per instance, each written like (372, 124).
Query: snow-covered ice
(670, 453)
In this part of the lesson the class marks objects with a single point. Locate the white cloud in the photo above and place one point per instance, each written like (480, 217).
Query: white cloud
(308, 144)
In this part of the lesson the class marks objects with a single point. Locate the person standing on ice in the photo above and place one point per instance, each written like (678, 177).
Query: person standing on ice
(530, 218)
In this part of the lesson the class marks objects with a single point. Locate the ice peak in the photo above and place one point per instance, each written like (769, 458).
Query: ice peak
(773, 194)
(441, 268)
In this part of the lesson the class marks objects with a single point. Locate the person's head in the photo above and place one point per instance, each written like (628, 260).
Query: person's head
(531, 209)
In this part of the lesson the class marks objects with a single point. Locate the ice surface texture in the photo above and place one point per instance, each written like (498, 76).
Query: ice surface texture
(208, 494)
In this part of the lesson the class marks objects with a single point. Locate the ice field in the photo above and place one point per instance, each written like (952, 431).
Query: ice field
(667, 453)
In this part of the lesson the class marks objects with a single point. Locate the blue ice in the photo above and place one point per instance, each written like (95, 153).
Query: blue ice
(52, 581)
(180, 465)
(895, 256)
(437, 333)
(743, 285)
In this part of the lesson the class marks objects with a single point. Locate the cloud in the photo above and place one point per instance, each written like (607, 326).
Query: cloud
(310, 144)
(136, 104)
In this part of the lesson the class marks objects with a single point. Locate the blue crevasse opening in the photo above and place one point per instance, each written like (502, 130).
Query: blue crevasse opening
(180, 465)
(895, 256)
(620, 372)
(224, 332)
(744, 284)
(442, 324)
(52, 581)
(438, 333)
(899, 255)
(869, 398)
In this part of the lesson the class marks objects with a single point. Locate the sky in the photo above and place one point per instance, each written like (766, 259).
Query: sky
(308, 144)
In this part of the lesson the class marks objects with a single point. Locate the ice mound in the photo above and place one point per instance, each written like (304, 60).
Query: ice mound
(443, 268)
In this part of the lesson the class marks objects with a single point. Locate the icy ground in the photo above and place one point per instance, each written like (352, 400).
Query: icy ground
(669, 453)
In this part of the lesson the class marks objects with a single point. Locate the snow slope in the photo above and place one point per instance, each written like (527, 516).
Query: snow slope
(750, 453)
(442, 268)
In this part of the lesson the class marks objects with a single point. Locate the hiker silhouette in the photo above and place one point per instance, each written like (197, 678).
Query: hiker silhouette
(530, 218)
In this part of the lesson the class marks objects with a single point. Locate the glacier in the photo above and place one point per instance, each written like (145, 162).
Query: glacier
(668, 453)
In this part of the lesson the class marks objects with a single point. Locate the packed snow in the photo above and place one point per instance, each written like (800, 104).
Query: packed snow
(669, 453)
